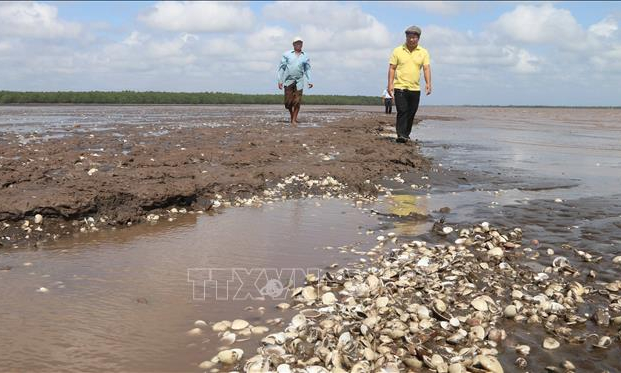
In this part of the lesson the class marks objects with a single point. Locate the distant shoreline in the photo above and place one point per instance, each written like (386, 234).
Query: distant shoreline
(173, 98)
(213, 98)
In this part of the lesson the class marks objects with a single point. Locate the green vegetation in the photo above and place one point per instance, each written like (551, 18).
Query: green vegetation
(199, 98)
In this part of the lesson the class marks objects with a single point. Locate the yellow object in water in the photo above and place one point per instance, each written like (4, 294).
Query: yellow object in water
(405, 204)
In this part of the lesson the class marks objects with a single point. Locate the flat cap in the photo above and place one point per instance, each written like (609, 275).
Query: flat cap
(413, 30)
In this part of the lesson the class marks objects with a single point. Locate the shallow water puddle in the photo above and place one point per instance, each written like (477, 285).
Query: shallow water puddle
(123, 300)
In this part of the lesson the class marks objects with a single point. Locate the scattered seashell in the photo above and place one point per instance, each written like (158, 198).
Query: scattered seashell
(206, 365)
(309, 293)
(298, 320)
(550, 343)
(457, 368)
(194, 332)
(603, 342)
(520, 362)
(229, 357)
(479, 304)
(228, 338)
(510, 311)
(199, 323)
(328, 299)
(221, 326)
(489, 363)
(523, 350)
(259, 329)
(283, 306)
(568, 365)
(496, 252)
(239, 324)
(381, 302)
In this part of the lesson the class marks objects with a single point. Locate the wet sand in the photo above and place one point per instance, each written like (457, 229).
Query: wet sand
(134, 281)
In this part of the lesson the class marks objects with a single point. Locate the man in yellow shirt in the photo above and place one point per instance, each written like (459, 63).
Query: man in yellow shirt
(404, 78)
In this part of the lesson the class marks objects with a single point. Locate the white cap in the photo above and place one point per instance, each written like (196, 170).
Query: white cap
(297, 38)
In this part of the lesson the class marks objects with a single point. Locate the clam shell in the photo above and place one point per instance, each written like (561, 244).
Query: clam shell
(523, 350)
(228, 338)
(239, 324)
(221, 326)
(309, 293)
(479, 304)
(283, 306)
(206, 365)
(298, 321)
(229, 357)
(439, 306)
(381, 302)
(510, 311)
(194, 332)
(259, 329)
(457, 368)
(603, 342)
(328, 299)
(489, 363)
(550, 343)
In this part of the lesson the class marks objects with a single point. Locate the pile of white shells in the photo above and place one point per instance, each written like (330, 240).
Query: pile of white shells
(442, 308)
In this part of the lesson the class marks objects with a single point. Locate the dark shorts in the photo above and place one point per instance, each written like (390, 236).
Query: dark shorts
(293, 96)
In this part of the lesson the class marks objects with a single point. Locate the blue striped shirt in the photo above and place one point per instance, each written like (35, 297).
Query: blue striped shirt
(294, 68)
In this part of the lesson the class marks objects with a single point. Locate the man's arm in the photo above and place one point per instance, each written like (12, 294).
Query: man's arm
(282, 67)
(427, 72)
(391, 79)
(307, 69)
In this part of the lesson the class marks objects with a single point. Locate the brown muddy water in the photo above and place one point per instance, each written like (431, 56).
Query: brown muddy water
(123, 301)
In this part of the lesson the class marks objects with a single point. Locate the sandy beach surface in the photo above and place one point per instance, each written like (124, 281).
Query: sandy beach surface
(207, 239)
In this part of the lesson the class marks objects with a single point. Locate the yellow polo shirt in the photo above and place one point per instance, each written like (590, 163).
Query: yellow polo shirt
(407, 75)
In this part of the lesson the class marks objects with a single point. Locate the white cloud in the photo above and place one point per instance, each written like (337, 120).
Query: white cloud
(268, 37)
(444, 8)
(609, 60)
(605, 28)
(452, 47)
(5, 46)
(540, 24)
(34, 20)
(193, 16)
(523, 61)
(332, 26)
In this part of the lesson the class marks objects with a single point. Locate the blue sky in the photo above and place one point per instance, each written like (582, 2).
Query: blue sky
(496, 53)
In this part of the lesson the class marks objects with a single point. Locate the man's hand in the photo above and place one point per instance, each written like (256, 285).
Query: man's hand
(428, 89)
(279, 85)
(391, 91)
(310, 85)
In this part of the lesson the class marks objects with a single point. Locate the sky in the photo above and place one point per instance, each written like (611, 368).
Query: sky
(482, 53)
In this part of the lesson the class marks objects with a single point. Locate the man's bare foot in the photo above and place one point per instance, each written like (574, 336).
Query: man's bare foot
(294, 123)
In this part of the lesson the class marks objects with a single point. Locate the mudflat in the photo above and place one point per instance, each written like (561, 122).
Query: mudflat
(122, 173)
